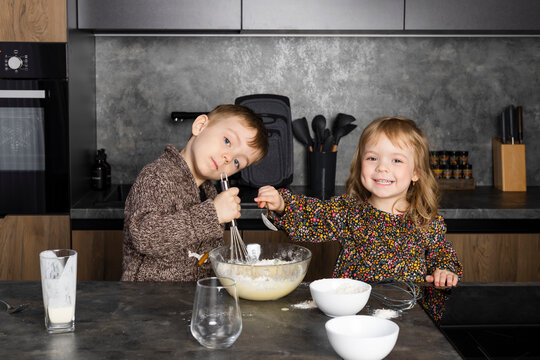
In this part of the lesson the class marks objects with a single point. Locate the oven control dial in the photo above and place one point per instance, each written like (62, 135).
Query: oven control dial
(15, 62)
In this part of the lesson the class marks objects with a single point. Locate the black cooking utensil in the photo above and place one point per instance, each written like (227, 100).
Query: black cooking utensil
(341, 121)
(318, 125)
(341, 132)
(300, 130)
(328, 141)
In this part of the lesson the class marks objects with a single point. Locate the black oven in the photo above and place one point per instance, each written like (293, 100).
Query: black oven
(34, 144)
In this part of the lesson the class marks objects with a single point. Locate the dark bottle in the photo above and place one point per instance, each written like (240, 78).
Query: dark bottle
(107, 168)
(99, 172)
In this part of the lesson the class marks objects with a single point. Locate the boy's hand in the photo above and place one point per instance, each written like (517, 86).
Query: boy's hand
(443, 278)
(227, 204)
(269, 197)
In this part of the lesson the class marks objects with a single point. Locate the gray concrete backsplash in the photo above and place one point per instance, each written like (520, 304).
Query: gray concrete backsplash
(454, 88)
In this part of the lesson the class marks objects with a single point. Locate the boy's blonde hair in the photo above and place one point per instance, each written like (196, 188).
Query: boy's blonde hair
(250, 119)
(422, 195)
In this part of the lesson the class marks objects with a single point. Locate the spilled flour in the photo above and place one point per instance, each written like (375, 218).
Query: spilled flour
(308, 304)
(386, 313)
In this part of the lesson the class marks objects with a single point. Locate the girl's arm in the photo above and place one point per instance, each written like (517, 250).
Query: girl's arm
(304, 218)
(441, 258)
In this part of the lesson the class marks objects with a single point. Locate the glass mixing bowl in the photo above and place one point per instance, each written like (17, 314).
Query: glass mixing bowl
(275, 270)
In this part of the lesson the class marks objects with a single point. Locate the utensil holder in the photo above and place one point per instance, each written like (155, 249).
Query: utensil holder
(509, 168)
(322, 172)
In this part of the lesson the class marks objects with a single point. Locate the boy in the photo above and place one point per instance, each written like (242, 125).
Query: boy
(173, 209)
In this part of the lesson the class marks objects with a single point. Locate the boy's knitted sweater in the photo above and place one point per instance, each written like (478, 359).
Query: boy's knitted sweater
(164, 219)
(376, 245)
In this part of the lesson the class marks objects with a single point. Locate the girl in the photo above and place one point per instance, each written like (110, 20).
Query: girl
(387, 223)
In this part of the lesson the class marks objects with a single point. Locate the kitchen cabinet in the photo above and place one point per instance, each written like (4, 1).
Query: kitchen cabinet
(23, 237)
(322, 15)
(160, 15)
(99, 254)
(478, 15)
(498, 257)
(33, 20)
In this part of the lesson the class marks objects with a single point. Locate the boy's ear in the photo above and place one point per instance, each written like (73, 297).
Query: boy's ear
(199, 124)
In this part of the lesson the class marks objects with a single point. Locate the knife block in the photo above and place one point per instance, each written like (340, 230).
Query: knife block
(509, 170)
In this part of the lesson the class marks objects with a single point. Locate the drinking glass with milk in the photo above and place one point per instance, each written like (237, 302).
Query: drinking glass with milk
(59, 285)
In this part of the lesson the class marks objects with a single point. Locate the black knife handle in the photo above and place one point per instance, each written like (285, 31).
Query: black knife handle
(511, 123)
(520, 123)
(503, 126)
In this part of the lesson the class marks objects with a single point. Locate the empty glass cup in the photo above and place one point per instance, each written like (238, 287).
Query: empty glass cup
(216, 322)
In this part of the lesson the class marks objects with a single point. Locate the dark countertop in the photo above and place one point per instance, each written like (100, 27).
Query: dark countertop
(484, 209)
(124, 320)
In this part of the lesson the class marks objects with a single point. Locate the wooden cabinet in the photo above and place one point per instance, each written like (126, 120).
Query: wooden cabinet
(478, 15)
(99, 254)
(322, 15)
(33, 20)
(23, 237)
(498, 257)
(159, 16)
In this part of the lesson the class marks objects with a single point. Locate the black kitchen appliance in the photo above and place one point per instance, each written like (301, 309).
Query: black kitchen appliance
(277, 167)
(34, 144)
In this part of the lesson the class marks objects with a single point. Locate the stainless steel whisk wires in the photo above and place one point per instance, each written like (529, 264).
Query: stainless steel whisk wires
(237, 248)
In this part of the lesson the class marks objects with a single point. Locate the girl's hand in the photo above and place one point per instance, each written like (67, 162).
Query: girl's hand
(443, 278)
(269, 197)
(227, 204)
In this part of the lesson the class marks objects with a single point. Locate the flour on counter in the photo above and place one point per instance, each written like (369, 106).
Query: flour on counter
(386, 313)
(308, 304)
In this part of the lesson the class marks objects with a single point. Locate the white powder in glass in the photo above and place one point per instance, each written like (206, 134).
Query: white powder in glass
(385, 313)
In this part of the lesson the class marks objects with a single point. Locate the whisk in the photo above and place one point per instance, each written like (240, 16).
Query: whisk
(238, 248)
(409, 294)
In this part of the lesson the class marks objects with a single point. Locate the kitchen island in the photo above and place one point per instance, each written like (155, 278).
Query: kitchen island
(125, 320)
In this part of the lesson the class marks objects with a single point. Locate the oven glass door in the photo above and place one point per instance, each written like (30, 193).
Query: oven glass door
(33, 147)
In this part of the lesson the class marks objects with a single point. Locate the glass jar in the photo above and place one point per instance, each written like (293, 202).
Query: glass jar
(463, 158)
(433, 159)
(452, 158)
(447, 172)
(467, 171)
(443, 158)
(437, 172)
(457, 172)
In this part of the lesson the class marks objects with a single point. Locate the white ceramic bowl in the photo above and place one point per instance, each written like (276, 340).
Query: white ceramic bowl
(340, 297)
(362, 337)
(278, 270)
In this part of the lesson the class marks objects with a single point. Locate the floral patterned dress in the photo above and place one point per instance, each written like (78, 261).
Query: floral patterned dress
(376, 245)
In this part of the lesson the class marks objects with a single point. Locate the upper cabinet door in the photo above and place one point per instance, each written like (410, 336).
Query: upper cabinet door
(469, 15)
(33, 20)
(321, 15)
(159, 14)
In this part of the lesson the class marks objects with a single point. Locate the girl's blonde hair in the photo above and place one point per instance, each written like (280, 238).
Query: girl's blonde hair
(422, 195)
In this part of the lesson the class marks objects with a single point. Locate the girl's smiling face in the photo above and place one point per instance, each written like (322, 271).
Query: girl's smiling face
(387, 172)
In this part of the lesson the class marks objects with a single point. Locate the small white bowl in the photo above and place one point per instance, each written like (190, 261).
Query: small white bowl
(362, 337)
(340, 297)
